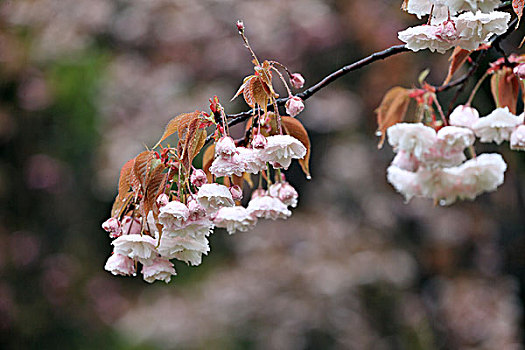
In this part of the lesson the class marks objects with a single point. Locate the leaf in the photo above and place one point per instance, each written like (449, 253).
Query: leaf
(392, 110)
(194, 141)
(243, 86)
(505, 88)
(155, 181)
(457, 59)
(248, 92)
(423, 75)
(175, 124)
(293, 127)
(141, 169)
(124, 181)
(260, 92)
(207, 159)
(517, 6)
(120, 204)
(404, 6)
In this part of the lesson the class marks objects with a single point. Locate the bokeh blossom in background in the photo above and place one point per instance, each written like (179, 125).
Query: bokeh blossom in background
(86, 85)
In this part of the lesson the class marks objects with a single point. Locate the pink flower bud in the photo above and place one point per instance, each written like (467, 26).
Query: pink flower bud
(447, 31)
(519, 70)
(225, 147)
(297, 80)
(236, 192)
(259, 141)
(240, 25)
(294, 106)
(162, 200)
(112, 225)
(198, 177)
(197, 211)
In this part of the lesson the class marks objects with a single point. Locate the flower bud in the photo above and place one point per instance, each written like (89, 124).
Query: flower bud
(112, 225)
(225, 147)
(259, 141)
(240, 26)
(294, 106)
(519, 70)
(131, 226)
(162, 200)
(464, 116)
(447, 31)
(297, 80)
(198, 177)
(236, 192)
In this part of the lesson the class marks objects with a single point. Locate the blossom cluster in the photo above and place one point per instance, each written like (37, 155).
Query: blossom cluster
(473, 23)
(166, 208)
(181, 228)
(432, 164)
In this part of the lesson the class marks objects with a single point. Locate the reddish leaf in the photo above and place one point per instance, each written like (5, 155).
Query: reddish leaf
(293, 127)
(505, 88)
(243, 86)
(392, 110)
(156, 179)
(124, 182)
(141, 169)
(176, 123)
(457, 59)
(194, 141)
(120, 204)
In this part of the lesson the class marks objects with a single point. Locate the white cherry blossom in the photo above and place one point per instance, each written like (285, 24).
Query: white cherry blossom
(497, 126)
(235, 219)
(160, 269)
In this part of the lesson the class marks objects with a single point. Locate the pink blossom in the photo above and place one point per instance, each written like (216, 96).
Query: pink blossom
(519, 70)
(268, 207)
(404, 181)
(188, 248)
(119, 264)
(225, 147)
(131, 226)
(464, 116)
(236, 192)
(285, 193)
(197, 211)
(174, 215)
(252, 160)
(140, 247)
(159, 269)
(405, 161)
(198, 177)
(425, 37)
(227, 166)
(162, 200)
(259, 141)
(297, 80)
(413, 138)
(447, 31)
(497, 126)
(235, 219)
(112, 225)
(294, 106)
(517, 138)
(214, 196)
(281, 149)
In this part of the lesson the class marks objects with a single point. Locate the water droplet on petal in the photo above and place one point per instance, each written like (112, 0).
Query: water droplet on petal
(442, 202)
(379, 133)
(308, 177)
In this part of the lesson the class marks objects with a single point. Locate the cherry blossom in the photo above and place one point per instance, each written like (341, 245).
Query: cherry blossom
(268, 207)
(517, 138)
(140, 247)
(119, 264)
(464, 116)
(497, 126)
(174, 215)
(281, 149)
(294, 106)
(160, 269)
(235, 219)
(214, 196)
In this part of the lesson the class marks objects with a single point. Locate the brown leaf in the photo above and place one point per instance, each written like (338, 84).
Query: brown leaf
(124, 181)
(248, 92)
(156, 179)
(293, 127)
(120, 204)
(243, 86)
(207, 159)
(404, 6)
(194, 141)
(175, 124)
(457, 59)
(392, 110)
(505, 88)
(142, 168)
(517, 6)
(260, 92)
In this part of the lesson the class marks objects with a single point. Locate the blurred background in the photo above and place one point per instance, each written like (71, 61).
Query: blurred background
(86, 84)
